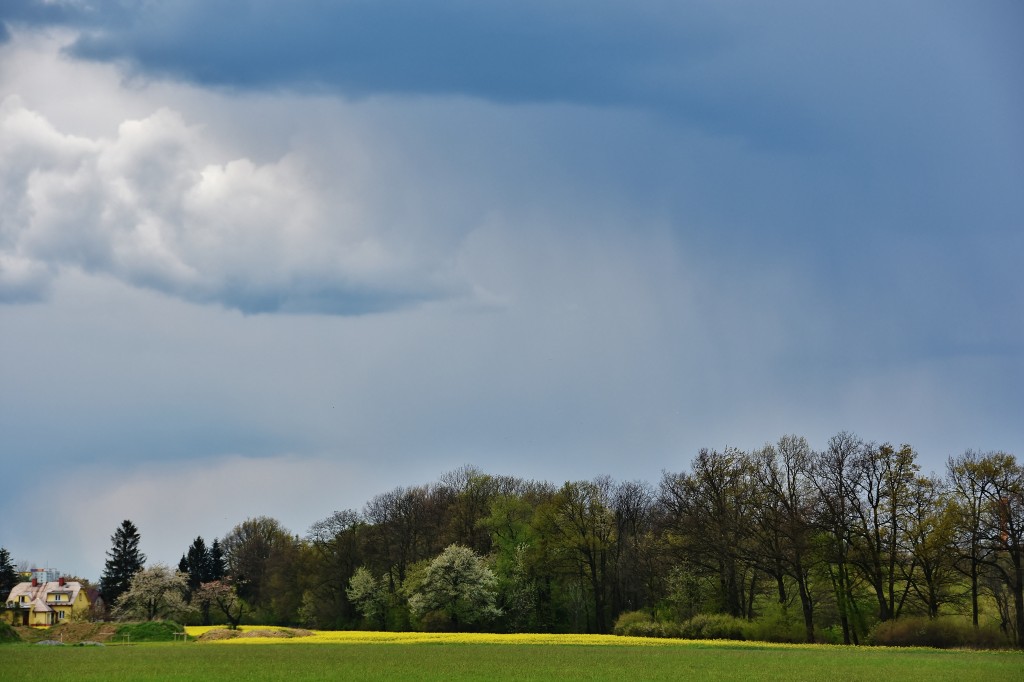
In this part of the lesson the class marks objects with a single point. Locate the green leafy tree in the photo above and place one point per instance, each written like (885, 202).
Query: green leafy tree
(154, 593)
(882, 506)
(455, 590)
(782, 525)
(254, 550)
(369, 595)
(1005, 529)
(709, 518)
(335, 548)
(834, 474)
(581, 524)
(969, 477)
(124, 560)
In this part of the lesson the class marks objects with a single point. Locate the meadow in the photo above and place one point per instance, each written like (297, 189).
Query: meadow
(419, 656)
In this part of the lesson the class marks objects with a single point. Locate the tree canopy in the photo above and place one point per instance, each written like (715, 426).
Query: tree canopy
(153, 593)
(456, 588)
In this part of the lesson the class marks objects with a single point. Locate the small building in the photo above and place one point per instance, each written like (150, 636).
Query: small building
(42, 604)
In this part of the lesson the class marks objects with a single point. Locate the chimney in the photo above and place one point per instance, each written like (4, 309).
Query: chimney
(60, 581)
(35, 582)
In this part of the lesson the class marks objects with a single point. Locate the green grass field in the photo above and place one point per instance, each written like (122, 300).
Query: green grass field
(192, 661)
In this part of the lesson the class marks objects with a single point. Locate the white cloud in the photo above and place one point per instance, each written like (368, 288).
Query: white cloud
(151, 207)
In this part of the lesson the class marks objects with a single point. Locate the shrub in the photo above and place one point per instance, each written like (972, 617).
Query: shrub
(149, 631)
(941, 633)
(713, 626)
(8, 634)
(701, 626)
(776, 625)
(628, 619)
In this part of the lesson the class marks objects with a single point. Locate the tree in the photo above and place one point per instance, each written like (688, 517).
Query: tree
(970, 478)
(455, 589)
(582, 524)
(882, 503)
(1005, 531)
(932, 539)
(519, 561)
(783, 528)
(335, 545)
(369, 596)
(196, 564)
(833, 475)
(123, 562)
(200, 567)
(218, 564)
(154, 592)
(225, 597)
(249, 549)
(397, 520)
(8, 576)
(636, 553)
(709, 518)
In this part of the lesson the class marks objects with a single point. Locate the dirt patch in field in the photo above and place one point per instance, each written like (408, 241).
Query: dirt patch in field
(249, 634)
(220, 633)
(278, 633)
(69, 633)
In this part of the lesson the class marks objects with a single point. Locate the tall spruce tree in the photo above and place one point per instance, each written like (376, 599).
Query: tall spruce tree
(197, 564)
(123, 562)
(8, 576)
(218, 565)
(202, 565)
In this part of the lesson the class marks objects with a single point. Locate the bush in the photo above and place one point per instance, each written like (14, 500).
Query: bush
(642, 624)
(8, 634)
(701, 626)
(713, 626)
(777, 625)
(149, 631)
(628, 619)
(941, 633)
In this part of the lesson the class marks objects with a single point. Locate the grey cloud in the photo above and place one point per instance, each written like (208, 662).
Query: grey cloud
(655, 55)
(851, 81)
(794, 74)
(23, 280)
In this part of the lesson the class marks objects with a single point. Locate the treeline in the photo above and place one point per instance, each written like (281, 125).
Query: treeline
(831, 543)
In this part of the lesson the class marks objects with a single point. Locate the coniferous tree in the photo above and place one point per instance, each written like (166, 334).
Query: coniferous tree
(8, 576)
(197, 564)
(218, 565)
(123, 562)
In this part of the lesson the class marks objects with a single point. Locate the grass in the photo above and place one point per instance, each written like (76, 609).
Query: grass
(456, 657)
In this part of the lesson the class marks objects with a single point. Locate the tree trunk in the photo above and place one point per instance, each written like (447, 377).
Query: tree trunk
(974, 591)
(805, 603)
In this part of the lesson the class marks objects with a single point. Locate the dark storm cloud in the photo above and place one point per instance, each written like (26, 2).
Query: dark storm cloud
(681, 61)
(793, 74)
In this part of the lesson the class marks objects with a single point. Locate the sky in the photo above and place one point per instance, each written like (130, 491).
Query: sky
(262, 258)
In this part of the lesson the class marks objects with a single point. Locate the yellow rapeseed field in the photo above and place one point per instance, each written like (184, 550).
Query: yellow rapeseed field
(375, 637)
